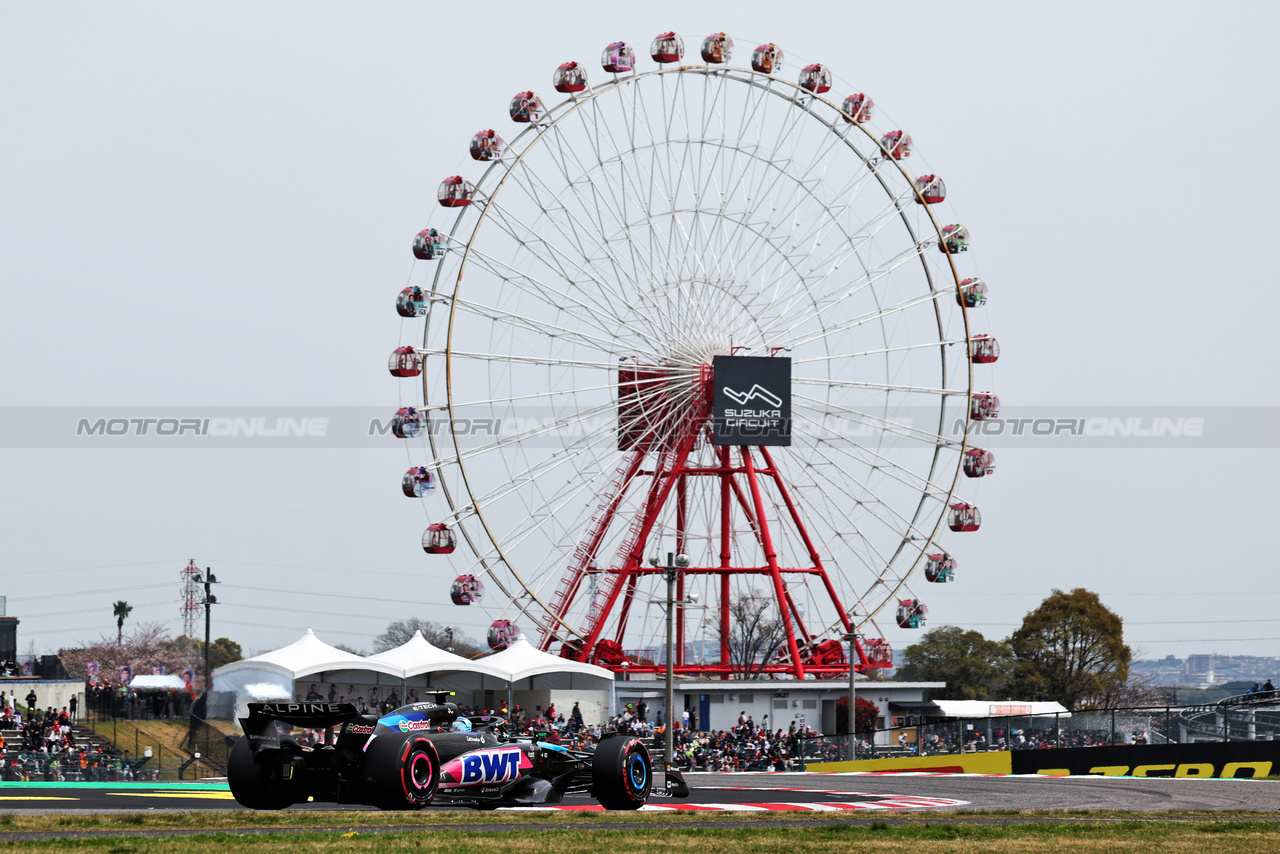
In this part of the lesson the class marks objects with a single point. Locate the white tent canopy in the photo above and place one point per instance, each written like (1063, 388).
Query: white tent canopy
(307, 656)
(521, 660)
(418, 655)
(157, 683)
(1003, 708)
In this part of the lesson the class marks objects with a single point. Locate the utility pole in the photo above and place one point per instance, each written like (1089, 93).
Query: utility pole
(209, 601)
(674, 562)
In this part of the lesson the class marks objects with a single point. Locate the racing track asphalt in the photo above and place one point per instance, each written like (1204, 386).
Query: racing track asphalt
(872, 794)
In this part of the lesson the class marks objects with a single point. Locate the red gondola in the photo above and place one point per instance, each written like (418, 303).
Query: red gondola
(940, 568)
(964, 517)
(896, 144)
(878, 652)
(502, 634)
(466, 590)
(983, 349)
(455, 192)
(439, 539)
(984, 406)
(979, 462)
(417, 482)
(972, 293)
(930, 190)
(857, 107)
(816, 78)
(405, 362)
(667, 47)
(767, 59)
(407, 422)
(486, 146)
(527, 107)
(411, 302)
(618, 58)
(955, 239)
(570, 77)
(911, 614)
(427, 245)
(717, 48)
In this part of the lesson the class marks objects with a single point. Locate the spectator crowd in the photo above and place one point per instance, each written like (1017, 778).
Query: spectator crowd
(45, 747)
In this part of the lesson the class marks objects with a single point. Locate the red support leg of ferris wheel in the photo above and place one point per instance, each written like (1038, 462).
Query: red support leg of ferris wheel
(666, 442)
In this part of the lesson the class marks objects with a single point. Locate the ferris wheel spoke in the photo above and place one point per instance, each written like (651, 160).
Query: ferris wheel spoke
(548, 394)
(591, 314)
(520, 321)
(577, 231)
(656, 164)
(520, 480)
(514, 439)
(890, 387)
(807, 283)
(576, 272)
(891, 519)
(582, 228)
(846, 290)
(861, 319)
(924, 345)
(603, 246)
(524, 360)
(886, 424)
(900, 473)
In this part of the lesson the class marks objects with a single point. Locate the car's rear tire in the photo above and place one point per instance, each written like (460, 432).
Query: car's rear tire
(401, 773)
(255, 786)
(621, 773)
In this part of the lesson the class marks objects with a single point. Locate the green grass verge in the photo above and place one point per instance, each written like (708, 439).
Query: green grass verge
(924, 836)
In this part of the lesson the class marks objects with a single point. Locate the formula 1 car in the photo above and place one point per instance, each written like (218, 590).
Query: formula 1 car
(426, 753)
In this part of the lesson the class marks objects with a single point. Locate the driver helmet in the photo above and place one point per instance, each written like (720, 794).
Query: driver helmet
(462, 725)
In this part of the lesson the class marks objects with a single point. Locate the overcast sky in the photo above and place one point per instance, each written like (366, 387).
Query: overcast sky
(212, 205)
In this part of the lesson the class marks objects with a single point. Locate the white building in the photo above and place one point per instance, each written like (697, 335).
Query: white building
(719, 703)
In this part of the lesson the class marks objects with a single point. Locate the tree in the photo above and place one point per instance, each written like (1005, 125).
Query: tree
(868, 715)
(221, 651)
(147, 646)
(973, 667)
(351, 649)
(402, 631)
(1070, 649)
(756, 633)
(120, 610)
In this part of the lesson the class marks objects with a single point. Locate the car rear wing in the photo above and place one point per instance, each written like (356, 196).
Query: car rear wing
(260, 727)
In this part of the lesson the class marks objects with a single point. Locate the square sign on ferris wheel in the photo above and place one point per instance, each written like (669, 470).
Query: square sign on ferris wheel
(752, 400)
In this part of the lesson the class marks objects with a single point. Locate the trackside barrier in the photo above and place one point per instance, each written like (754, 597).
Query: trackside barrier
(1207, 759)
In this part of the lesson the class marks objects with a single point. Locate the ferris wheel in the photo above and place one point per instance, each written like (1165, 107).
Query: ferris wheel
(700, 308)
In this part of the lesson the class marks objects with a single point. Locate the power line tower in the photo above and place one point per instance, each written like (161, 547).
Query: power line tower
(192, 601)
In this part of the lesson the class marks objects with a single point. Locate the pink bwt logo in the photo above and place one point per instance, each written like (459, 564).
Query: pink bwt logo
(490, 767)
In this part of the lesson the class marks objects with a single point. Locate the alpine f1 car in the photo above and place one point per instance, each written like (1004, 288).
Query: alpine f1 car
(427, 753)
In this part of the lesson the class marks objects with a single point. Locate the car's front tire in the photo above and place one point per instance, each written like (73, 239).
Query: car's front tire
(621, 773)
